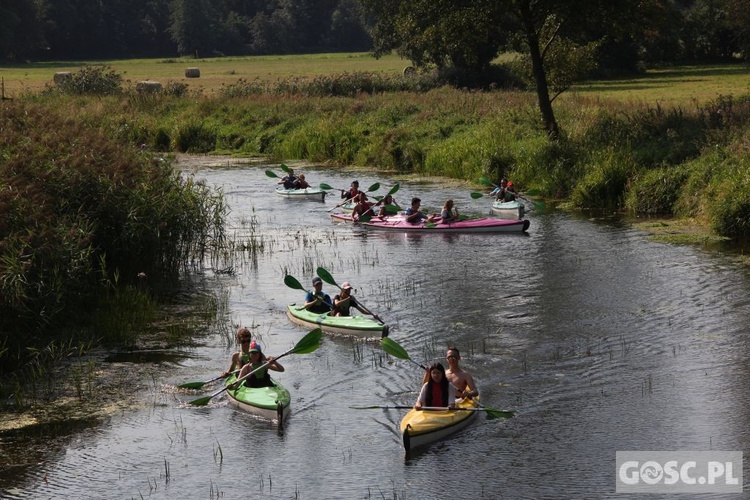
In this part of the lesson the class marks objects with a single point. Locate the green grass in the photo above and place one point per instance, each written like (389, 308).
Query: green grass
(215, 73)
(679, 85)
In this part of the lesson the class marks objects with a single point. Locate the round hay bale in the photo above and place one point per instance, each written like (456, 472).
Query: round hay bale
(192, 73)
(409, 71)
(148, 87)
(62, 76)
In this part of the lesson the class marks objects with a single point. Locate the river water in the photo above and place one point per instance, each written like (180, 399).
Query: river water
(599, 339)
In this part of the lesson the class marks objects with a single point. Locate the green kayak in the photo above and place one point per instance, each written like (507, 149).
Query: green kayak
(271, 403)
(359, 326)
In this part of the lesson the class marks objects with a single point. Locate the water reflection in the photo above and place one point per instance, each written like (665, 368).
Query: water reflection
(602, 341)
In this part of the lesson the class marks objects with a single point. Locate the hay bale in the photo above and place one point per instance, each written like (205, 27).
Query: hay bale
(62, 76)
(148, 87)
(409, 71)
(192, 73)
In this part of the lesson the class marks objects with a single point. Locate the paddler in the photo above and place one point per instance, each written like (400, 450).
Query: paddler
(461, 380)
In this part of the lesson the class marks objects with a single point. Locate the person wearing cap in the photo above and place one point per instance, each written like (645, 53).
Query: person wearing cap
(510, 192)
(241, 357)
(260, 378)
(316, 300)
(344, 301)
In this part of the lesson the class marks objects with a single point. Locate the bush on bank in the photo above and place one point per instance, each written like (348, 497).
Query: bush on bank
(81, 213)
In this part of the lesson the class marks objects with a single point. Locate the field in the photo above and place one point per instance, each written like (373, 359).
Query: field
(681, 85)
(214, 72)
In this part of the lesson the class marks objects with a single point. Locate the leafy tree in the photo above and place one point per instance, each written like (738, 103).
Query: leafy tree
(468, 34)
(193, 25)
(20, 32)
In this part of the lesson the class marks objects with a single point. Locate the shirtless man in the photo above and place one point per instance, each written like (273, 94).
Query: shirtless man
(459, 378)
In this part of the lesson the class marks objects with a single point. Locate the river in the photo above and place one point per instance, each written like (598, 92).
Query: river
(600, 339)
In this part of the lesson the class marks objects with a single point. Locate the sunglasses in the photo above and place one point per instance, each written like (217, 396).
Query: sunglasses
(451, 357)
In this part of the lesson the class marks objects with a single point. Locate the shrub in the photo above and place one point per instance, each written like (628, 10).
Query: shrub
(92, 80)
(654, 192)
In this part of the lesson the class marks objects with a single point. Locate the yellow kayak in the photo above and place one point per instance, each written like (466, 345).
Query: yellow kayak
(420, 428)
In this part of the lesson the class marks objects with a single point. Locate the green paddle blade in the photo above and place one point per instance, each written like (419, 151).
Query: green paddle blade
(493, 413)
(374, 187)
(325, 186)
(201, 401)
(271, 174)
(326, 276)
(284, 168)
(392, 208)
(486, 181)
(309, 342)
(394, 189)
(292, 282)
(476, 195)
(364, 218)
(192, 385)
(393, 348)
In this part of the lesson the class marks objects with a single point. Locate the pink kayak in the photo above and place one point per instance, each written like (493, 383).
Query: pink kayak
(479, 225)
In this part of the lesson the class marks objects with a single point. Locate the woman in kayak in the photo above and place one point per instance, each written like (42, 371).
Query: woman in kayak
(437, 391)
(249, 352)
(449, 212)
(260, 378)
(387, 205)
(344, 301)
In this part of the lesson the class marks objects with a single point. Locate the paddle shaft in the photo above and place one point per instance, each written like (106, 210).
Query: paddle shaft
(198, 385)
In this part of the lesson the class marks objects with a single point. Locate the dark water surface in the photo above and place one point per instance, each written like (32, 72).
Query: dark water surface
(602, 341)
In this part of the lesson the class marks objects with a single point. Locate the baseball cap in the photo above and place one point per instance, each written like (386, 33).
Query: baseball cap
(317, 280)
(346, 285)
(254, 347)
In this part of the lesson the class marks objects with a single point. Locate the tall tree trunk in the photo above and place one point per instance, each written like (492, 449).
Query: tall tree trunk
(537, 69)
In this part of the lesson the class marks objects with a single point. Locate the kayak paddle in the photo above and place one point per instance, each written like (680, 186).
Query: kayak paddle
(326, 276)
(394, 349)
(306, 345)
(492, 413)
(198, 385)
(328, 187)
(292, 282)
(271, 173)
(476, 195)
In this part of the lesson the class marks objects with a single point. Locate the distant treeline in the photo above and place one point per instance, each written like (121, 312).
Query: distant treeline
(35, 30)
(85, 29)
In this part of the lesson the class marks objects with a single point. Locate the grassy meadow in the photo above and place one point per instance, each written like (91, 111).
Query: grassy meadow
(214, 72)
(679, 85)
